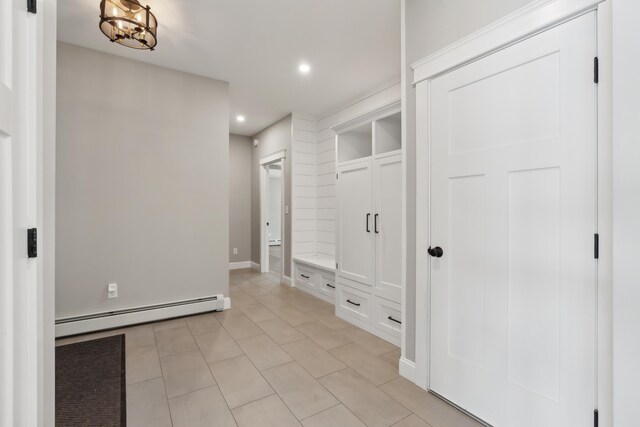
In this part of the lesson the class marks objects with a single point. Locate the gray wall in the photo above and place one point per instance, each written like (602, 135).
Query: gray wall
(142, 191)
(274, 138)
(240, 197)
(429, 26)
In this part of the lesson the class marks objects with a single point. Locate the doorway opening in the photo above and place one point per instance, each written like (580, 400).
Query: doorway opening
(272, 210)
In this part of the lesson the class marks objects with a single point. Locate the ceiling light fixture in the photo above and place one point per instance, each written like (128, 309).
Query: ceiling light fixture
(128, 23)
(241, 118)
(304, 68)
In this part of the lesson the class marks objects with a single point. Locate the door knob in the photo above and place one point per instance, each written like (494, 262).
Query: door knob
(436, 252)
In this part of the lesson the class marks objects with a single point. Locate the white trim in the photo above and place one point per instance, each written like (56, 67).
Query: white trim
(239, 265)
(525, 22)
(409, 371)
(273, 157)
(133, 318)
(287, 281)
(255, 265)
(393, 339)
(381, 111)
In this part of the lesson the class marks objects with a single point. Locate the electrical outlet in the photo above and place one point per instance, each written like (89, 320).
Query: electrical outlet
(112, 290)
(235, 251)
(286, 210)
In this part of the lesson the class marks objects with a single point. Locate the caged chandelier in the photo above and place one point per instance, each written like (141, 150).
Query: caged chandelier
(128, 23)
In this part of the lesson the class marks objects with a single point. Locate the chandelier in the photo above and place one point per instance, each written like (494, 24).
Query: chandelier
(128, 23)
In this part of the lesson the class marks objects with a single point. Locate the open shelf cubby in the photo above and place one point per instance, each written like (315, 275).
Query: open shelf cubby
(388, 133)
(355, 143)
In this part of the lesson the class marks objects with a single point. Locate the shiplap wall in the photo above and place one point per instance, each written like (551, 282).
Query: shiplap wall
(304, 202)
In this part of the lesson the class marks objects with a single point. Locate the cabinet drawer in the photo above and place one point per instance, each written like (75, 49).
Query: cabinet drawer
(354, 303)
(304, 276)
(327, 285)
(388, 316)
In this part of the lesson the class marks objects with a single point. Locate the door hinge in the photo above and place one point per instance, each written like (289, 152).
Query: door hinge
(595, 418)
(596, 246)
(31, 6)
(336, 265)
(32, 242)
(336, 176)
(596, 70)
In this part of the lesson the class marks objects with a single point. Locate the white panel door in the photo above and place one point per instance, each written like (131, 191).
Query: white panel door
(21, 310)
(355, 223)
(387, 226)
(513, 206)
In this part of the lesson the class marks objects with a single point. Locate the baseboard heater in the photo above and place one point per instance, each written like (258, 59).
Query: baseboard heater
(130, 316)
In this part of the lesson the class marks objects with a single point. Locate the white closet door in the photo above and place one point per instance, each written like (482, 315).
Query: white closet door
(355, 223)
(388, 226)
(513, 206)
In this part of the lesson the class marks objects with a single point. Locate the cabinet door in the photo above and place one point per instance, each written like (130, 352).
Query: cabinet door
(387, 226)
(355, 223)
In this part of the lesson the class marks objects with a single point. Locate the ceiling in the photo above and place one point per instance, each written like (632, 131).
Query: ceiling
(353, 46)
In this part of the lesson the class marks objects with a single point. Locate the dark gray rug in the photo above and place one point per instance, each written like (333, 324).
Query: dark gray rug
(91, 383)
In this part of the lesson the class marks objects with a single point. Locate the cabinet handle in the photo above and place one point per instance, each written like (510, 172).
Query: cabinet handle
(306, 277)
(394, 320)
(354, 303)
(375, 223)
(329, 285)
(367, 225)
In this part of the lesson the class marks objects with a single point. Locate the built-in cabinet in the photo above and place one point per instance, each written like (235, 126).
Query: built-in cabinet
(369, 224)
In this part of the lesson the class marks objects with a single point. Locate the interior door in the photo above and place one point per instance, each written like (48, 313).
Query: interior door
(355, 222)
(387, 225)
(513, 207)
(21, 331)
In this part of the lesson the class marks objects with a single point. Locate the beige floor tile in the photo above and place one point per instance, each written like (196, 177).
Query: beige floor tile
(280, 331)
(143, 364)
(218, 345)
(306, 303)
(147, 404)
(184, 373)
(263, 352)
(202, 408)
(139, 336)
(258, 313)
(267, 412)
(232, 312)
(271, 302)
(338, 415)
(168, 324)
(202, 324)
(392, 358)
(241, 299)
(365, 400)
(428, 407)
(293, 316)
(323, 336)
(239, 381)
(175, 340)
(371, 367)
(302, 393)
(329, 319)
(313, 358)
(368, 341)
(411, 421)
(240, 327)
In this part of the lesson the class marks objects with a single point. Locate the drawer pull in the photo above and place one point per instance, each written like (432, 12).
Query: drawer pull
(394, 320)
(329, 285)
(306, 277)
(353, 303)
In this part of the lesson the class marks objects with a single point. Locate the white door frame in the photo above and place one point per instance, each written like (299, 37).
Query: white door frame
(27, 306)
(528, 21)
(264, 164)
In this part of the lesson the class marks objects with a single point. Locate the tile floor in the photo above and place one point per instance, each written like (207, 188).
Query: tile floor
(278, 358)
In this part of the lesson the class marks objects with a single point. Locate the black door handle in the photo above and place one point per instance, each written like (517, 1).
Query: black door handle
(353, 303)
(436, 252)
(368, 216)
(375, 223)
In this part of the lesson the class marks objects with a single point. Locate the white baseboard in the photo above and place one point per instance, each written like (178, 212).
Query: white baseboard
(227, 303)
(239, 265)
(287, 280)
(408, 370)
(87, 323)
(255, 265)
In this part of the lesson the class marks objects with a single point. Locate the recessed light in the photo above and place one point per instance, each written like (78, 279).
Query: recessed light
(241, 118)
(304, 68)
